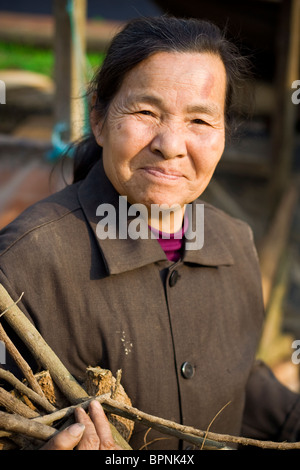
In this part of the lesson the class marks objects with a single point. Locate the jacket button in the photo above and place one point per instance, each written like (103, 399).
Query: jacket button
(187, 370)
(173, 278)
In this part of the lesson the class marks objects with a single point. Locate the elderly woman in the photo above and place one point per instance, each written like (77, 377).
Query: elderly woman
(182, 322)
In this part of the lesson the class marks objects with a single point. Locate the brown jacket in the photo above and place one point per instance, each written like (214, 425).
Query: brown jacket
(118, 304)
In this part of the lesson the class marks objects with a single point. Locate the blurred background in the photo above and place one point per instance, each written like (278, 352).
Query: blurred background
(49, 51)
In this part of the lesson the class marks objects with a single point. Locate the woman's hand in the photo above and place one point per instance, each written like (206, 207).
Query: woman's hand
(89, 433)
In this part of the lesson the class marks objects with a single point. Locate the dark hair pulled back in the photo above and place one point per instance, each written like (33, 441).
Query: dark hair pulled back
(141, 38)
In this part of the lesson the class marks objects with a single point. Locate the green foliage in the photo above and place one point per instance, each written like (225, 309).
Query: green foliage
(26, 57)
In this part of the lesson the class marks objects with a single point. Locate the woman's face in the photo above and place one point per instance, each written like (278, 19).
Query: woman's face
(164, 132)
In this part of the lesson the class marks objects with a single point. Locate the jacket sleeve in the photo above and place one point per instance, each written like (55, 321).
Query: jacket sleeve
(272, 411)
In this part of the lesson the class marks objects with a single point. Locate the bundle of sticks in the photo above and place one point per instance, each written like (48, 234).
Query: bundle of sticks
(42, 404)
(31, 406)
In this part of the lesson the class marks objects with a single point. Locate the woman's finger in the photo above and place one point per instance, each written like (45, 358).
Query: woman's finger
(90, 440)
(66, 439)
(89, 433)
(102, 427)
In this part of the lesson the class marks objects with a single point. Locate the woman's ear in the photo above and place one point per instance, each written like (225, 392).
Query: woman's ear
(96, 121)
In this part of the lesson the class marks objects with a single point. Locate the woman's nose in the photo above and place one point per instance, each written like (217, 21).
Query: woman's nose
(169, 141)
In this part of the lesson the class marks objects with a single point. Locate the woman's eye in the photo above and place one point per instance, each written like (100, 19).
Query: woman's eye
(145, 112)
(199, 121)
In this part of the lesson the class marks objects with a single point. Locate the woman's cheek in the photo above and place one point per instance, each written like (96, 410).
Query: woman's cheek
(214, 143)
(135, 135)
(207, 153)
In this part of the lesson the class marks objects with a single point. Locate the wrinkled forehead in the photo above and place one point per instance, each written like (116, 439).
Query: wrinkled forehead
(178, 77)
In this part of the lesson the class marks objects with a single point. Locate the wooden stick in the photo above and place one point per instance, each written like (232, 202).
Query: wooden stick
(20, 361)
(12, 403)
(40, 349)
(12, 423)
(22, 388)
(17, 301)
(188, 433)
(272, 246)
(49, 419)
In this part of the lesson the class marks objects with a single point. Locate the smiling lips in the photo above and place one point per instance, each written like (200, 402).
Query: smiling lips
(162, 173)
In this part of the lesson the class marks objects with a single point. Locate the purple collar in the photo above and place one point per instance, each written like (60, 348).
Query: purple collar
(171, 243)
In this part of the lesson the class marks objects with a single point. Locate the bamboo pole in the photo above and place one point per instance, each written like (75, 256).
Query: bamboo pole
(284, 118)
(69, 48)
(272, 246)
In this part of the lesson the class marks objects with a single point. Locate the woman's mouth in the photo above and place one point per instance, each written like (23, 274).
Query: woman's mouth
(171, 175)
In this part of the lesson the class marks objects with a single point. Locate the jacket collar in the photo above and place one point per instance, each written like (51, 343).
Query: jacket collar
(121, 255)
